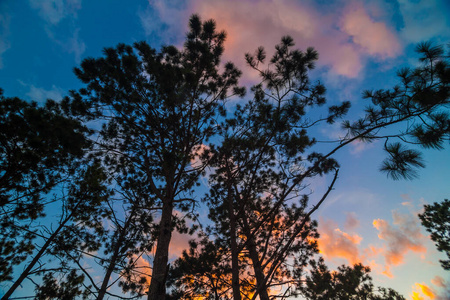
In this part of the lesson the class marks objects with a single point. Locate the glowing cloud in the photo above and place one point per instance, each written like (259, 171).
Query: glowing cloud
(335, 243)
(248, 30)
(143, 268)
(422, 289)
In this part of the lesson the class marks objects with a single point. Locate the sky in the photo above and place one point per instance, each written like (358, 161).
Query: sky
(368, 218)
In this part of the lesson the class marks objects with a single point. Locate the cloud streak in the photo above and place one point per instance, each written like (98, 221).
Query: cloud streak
(41, 95)
(53, 11)
(424, 20)
(57, 13)
(5, 20)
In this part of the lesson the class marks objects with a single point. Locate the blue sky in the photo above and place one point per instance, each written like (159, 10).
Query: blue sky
(368, 217)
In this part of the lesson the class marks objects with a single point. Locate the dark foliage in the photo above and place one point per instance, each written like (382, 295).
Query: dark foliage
(436, 219)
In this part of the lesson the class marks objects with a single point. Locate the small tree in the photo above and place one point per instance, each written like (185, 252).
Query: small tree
(345, 283)
(436, 219)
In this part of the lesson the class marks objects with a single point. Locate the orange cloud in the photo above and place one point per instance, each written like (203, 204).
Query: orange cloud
(141, 269)
(335, 243)
(387, 271)
(402, 238)
(416, 296)
(378, 268)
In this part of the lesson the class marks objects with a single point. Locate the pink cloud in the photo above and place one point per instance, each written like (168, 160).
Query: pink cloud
(374, 37)
(344, 37)
(351, 222)
(438, 281)
(178, 243)
(247, 31)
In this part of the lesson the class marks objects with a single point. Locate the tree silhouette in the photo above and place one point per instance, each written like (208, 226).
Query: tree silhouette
(258, 202)
(163, 122)
(436, 219)
(157, 108)
(345, 283)
(40, 149)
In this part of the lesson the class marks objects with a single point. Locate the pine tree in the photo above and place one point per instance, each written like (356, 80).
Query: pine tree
(157, 109)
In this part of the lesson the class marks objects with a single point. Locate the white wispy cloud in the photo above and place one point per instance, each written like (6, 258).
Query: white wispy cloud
(57, 13)
(424, 20)
(53, 11)
(165, 19)
(4, 33)
(41, 95)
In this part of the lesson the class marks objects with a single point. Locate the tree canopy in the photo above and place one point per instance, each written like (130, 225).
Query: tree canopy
(125, 158)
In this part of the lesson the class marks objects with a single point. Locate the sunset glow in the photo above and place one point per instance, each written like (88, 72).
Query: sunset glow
(367, 218)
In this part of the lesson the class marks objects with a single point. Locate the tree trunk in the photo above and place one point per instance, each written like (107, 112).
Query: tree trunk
(234, 251)
(157, 290)
(261, 288)
(112, 261)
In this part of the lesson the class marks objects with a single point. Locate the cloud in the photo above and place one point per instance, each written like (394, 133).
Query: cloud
(197, 153)
(351, 222)
(342, 44)
(335, 243)
(142, 268)
(53, 11)
(438, 281)
(62, 14)
(335, 132)
(443, 286)
(424, 20)
(420, 290)
(401, 238)
(75, 45)
(164, 19)
(178, 243)
(247, 31)
(374, 37)
(41, 95)
(4, 33)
